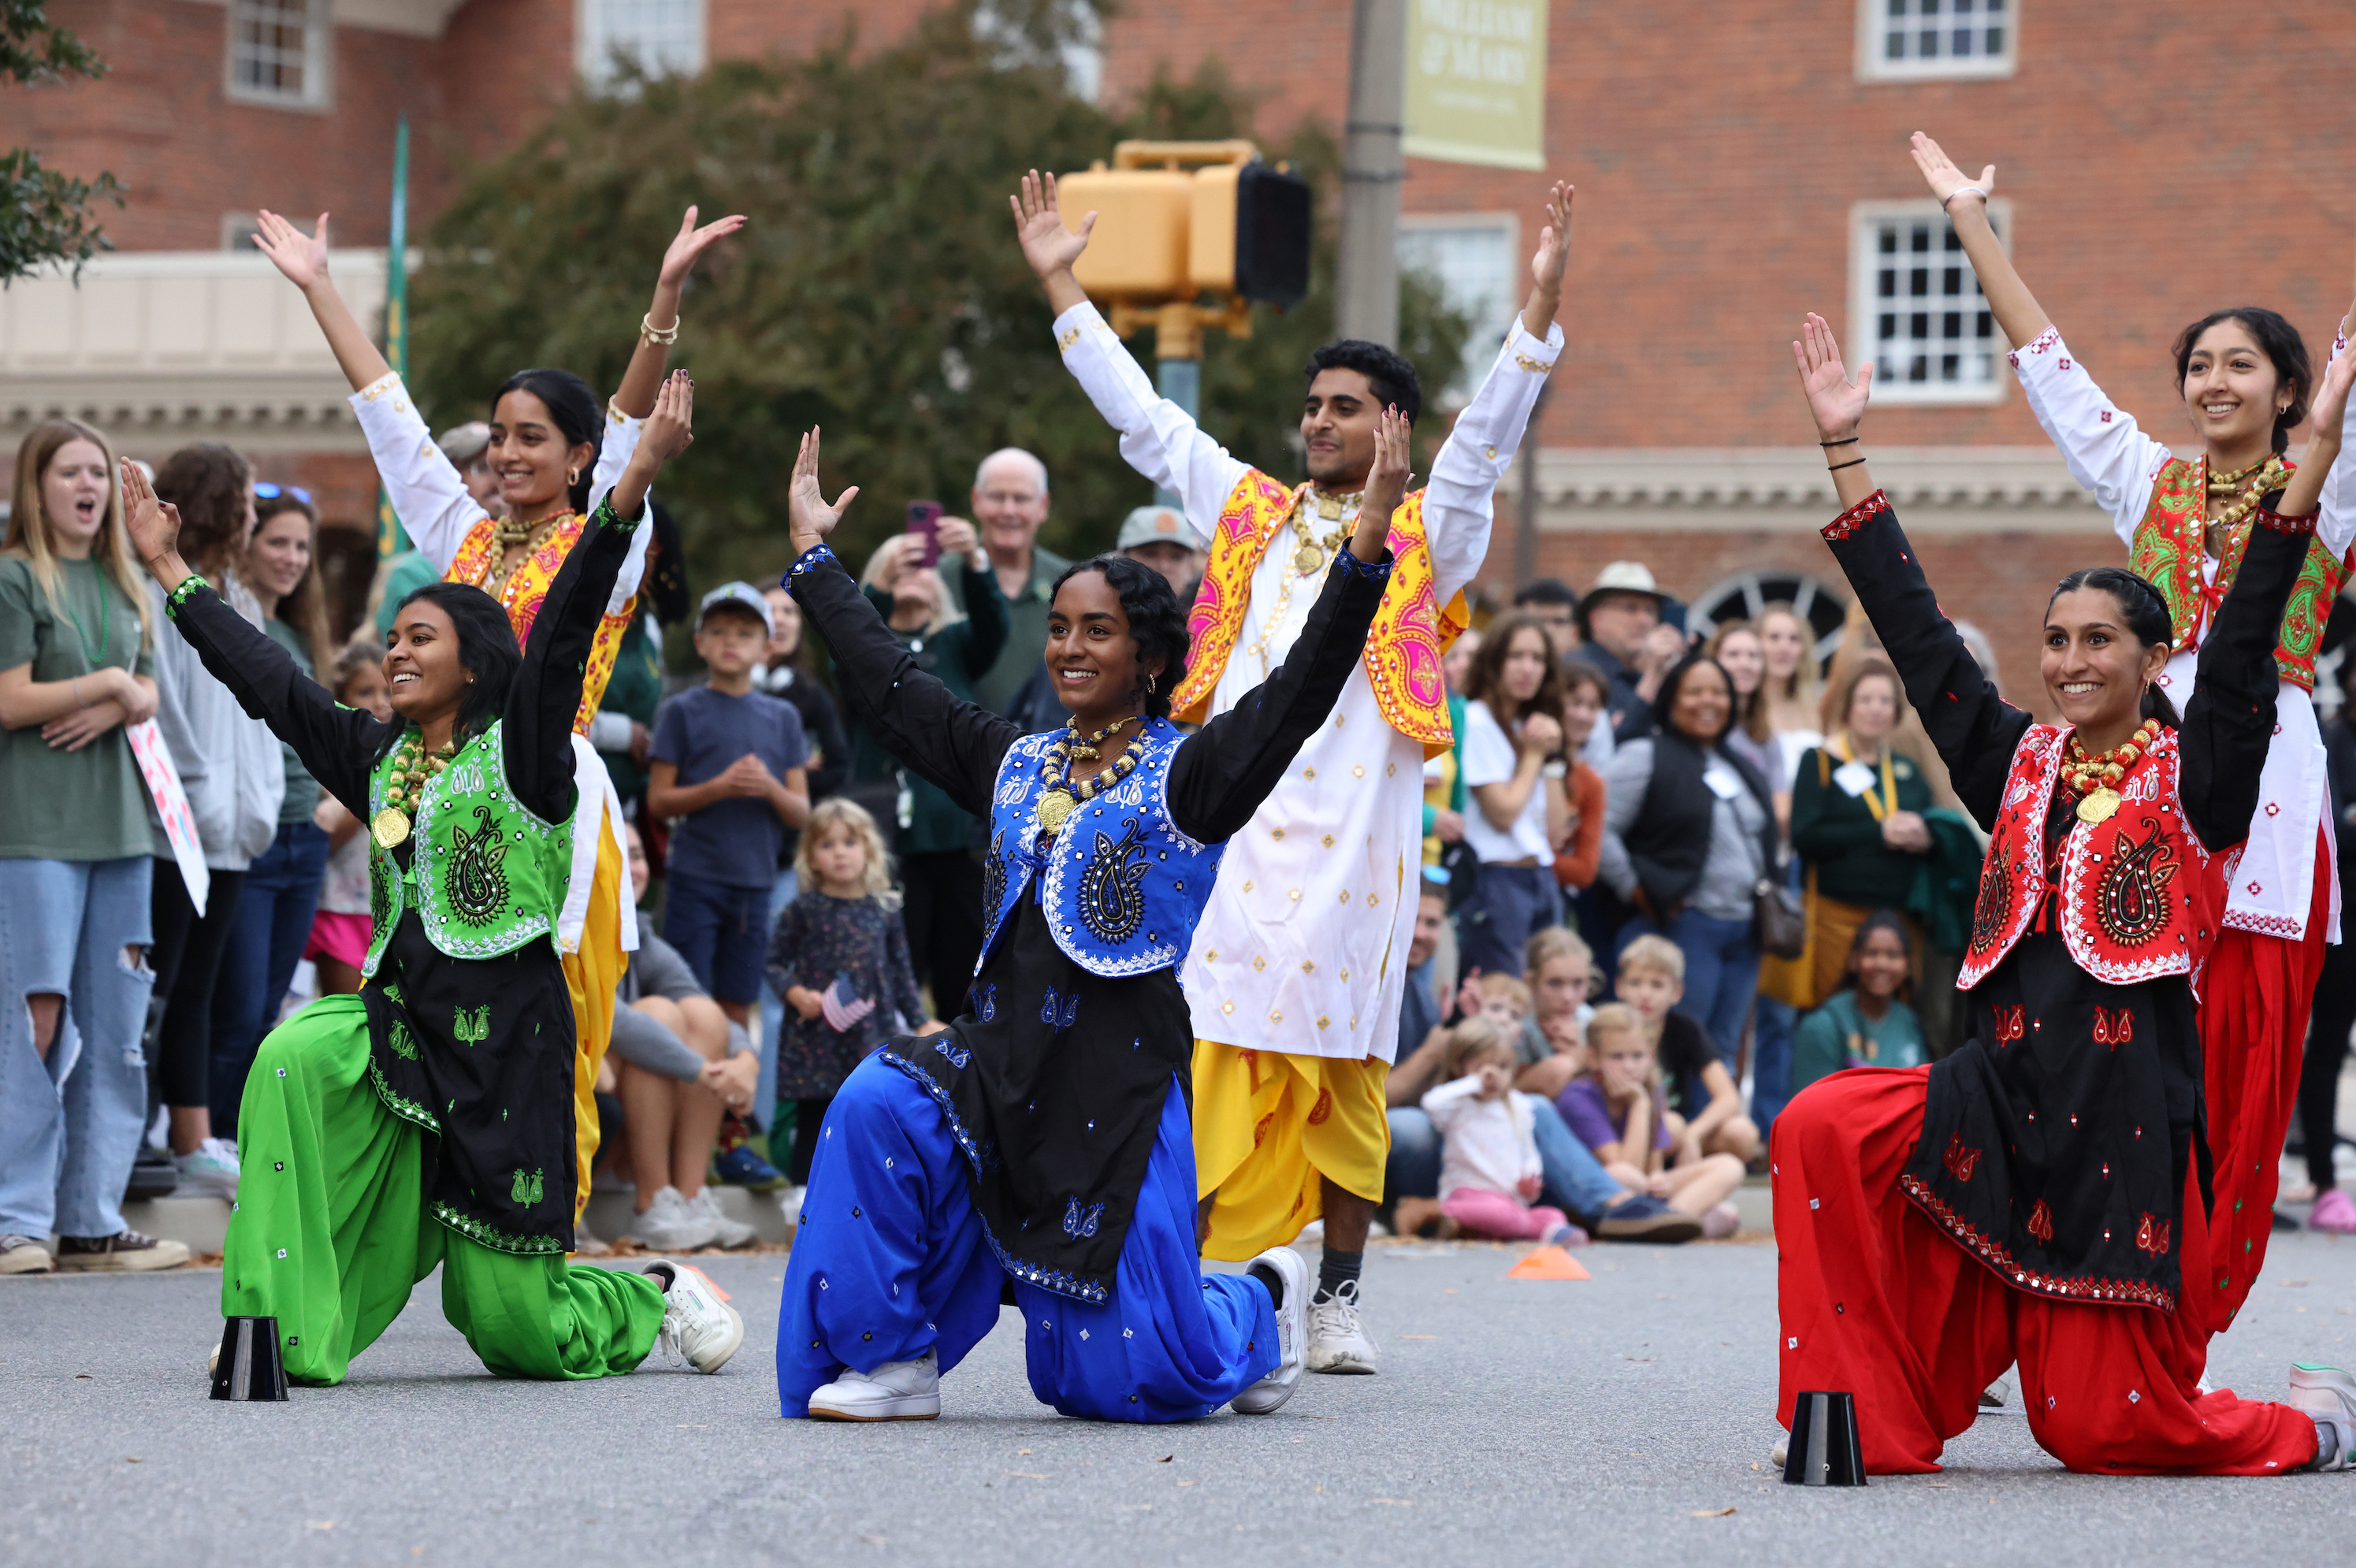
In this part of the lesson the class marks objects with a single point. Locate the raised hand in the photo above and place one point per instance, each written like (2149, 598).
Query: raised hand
(1047, 245)
(1939, 170)
(1387, 483)
(1838, 403)
(689, 243)
(669, 429)
(153, 525)
(958, 541)
(809, 517)
(1554, 241)
(2324, 414)
(302, 257)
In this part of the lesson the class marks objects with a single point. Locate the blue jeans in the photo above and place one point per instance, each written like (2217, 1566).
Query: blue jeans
(1721, 972)
(773, 1008)
(1574, 1182)
(273, 920)
(1509, 905)
(723, 932)
(70, 1123)
(1770, 1062)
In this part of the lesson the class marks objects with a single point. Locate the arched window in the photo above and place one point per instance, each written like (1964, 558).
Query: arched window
(1744, 596)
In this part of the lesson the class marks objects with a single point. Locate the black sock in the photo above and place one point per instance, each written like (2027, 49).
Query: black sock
(1335, 1269)
(1269, 1280)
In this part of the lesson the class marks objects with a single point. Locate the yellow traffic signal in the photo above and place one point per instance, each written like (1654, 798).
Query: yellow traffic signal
(1177, 220)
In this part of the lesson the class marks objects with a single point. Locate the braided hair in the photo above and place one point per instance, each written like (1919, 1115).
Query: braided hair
(2145, 613)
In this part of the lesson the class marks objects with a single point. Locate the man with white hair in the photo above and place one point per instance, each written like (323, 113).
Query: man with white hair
(1010, 502)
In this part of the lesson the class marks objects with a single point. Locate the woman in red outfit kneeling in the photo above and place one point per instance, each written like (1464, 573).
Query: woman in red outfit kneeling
(2043, 1195)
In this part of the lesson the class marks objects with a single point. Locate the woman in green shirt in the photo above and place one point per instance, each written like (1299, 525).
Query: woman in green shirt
(76, 667)
(1864, 1023)
(1857, 819)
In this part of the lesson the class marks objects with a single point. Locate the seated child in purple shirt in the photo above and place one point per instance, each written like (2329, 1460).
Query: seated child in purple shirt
(1615, 1109)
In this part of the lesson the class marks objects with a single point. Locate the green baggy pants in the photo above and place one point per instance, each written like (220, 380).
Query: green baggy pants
(332, 1230)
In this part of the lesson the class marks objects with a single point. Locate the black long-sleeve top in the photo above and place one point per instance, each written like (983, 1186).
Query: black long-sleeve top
(2057, 1142)
(1069, 1110)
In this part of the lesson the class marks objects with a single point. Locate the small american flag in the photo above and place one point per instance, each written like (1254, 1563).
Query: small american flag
(842, 1006)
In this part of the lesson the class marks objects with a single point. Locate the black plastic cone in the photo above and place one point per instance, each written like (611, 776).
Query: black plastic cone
(251, 1367)
(1825, 1450)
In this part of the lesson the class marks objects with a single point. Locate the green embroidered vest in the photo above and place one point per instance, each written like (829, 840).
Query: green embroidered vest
(486, 878)
(2168, 554)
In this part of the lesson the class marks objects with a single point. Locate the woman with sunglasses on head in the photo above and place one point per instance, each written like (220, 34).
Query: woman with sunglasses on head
(2044, 1193)
(1043, 1142)
(2243, 381)
(554, 456)
(428, 1121)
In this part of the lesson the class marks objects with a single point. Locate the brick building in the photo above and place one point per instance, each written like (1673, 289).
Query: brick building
(1738, 161)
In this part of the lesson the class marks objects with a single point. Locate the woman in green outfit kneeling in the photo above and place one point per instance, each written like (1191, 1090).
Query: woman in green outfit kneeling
(429, 1119)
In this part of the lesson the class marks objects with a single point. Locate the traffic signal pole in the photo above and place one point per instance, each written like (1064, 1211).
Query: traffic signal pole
(1374, 164)
(1178, 370)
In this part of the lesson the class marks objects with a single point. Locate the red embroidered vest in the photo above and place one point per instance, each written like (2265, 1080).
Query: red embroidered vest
(2168, 554)
(2140, 894)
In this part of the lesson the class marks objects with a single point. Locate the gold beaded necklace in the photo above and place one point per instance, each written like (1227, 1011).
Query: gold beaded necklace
(411, 770)
(2240, 490)
(1309, 561)
(2094, 779)
(1065, 795)
(508, 533)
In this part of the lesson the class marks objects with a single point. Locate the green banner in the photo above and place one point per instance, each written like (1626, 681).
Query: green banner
(1476, 82)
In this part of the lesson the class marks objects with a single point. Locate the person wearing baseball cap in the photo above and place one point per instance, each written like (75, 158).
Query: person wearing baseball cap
(1162, 537)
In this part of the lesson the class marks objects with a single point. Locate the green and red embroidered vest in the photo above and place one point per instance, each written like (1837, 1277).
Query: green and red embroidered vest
(2168, 553)
(486, 877)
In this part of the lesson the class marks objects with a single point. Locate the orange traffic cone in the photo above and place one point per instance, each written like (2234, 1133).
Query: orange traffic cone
(1548, 1263)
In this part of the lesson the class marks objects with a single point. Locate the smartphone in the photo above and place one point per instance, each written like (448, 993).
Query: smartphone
(925, 522)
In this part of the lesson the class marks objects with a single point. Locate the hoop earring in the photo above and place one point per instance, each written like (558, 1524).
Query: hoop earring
(572, 477)
(1149, 685)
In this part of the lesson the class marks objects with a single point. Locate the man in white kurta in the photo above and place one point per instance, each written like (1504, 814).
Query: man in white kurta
(1297, 970)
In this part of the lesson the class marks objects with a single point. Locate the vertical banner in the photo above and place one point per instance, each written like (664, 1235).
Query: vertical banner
(1476, 82)
(163, 780)
(390, 539)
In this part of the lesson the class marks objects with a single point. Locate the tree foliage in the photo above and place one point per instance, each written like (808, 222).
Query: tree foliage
(877, 291)
(44, 215)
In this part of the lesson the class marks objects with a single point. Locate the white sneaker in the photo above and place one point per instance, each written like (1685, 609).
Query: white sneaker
(1337, 1342)
(896, 1391)
(209, 1171)
(1291, 1271)
(789, 1203)
(727, 1232)
(669, 1225)
(1997, 1394)
(697, 1325)
(2328, 1395)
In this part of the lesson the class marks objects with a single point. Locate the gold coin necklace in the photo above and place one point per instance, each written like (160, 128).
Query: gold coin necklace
(506, 534)
(2094, 779)
(1307, 560)
(411, 770)
(1064, 795)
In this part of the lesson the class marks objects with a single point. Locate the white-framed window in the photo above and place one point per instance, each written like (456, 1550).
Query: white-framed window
(663, 38)
(1915, 306)
(279, 52)
(1912, 39)
(1475, 260)
(1743, 595)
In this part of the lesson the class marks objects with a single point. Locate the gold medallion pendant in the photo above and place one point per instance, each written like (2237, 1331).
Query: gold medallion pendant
(390, 827)
(2099, 806)
(1056, 809)
(1307, 558)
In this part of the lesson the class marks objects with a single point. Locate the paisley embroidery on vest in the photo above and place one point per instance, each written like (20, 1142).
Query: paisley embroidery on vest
(401, 1041)
(2041, 1224)
(2114, 1029)
(985, 1005)
(957, 1055)
(1112, 893)
(2152, 1236)
(474, 1030)
(1059, 1013)
(526, 1189)
(2131, 901)
(1960, 1161)
(478, 887)
(1992, 910)
(1078, 1222)
(2009, 1025)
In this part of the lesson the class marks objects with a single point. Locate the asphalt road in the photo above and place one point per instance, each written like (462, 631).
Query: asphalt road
(1623, 1419)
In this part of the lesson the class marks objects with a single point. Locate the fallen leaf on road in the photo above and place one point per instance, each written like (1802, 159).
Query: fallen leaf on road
(1395, 1502)
(1190, 1483)
(81, 1376)
(1019, 1452)
(1148, 1507)
(128, 1460)
(1640, 1360)
(1027, 1475)
(2293, 1284)
(1435, 1335)
(319, 1524)
(1450, 1291)
(1163, 1460)
(701, 1425)
(876, 1539)
(1711, 1513)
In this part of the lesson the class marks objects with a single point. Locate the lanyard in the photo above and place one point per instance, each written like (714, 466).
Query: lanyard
(1887, 801)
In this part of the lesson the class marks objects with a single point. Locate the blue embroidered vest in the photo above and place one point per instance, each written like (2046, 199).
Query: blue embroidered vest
(1121, 886)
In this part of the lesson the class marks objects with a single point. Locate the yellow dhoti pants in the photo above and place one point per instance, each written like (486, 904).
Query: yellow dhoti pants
(1270, 1128)
(591, 973)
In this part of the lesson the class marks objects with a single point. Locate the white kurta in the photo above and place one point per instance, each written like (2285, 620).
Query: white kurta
(435, 510)
(1301, 949)
(2273, 885)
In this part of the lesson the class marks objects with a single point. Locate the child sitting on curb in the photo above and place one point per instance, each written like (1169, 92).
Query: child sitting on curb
(1704, 1113)
(1617, 1110)
(1560, 972)
(1489, 1169)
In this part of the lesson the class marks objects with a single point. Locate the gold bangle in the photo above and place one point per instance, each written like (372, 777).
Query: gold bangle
(663, 336)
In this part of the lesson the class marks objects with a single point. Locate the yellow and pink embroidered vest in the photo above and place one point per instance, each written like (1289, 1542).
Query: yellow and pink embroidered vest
(1403, 651)
(527, 585)
(2168, 553)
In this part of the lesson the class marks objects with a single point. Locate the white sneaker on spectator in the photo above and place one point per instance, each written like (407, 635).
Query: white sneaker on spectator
(727, 1232)
(1337, 1342)
(790, 1201)
(24, 1255)
(896, 1391)
(697, 1325)
(208, 1171)
(1291, 1271)
(126, 1251)
(669, 1225)
(2328, 1395)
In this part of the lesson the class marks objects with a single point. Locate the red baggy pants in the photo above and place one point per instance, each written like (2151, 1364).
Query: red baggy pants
(1878, 1302)
(2254, 998)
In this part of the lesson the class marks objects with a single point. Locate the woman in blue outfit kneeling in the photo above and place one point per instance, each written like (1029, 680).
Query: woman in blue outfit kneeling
(1040, 1151)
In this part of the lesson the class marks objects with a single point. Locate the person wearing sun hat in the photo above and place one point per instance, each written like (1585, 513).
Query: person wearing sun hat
(1625, 641)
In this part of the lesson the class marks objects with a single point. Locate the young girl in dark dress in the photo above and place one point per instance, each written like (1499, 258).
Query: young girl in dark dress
(429, 1120)
(1043, 1142)
(2044, 1193)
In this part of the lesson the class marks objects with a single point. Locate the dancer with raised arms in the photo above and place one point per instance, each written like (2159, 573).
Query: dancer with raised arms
(2243, 376)
(1042, 1142)
(428, 1120)
(2043, 1194)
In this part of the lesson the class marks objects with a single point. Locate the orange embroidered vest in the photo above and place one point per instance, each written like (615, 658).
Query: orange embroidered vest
(1403, 651)
(527, 585)
(2168, 554)
(2140, 894)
